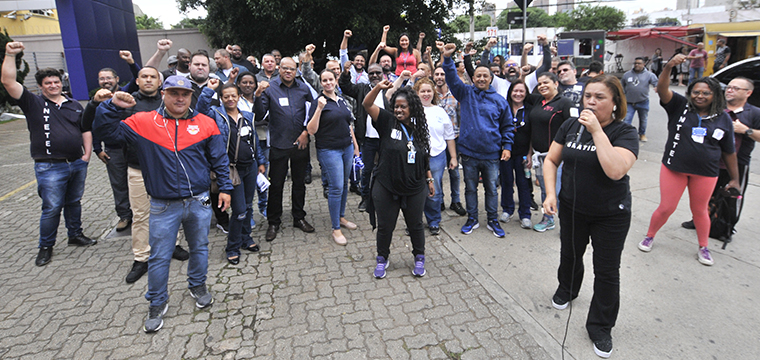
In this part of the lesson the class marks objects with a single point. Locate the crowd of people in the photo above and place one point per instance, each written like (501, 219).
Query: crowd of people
(184, 144)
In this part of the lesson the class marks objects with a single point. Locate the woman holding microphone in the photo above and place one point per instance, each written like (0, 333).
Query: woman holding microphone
(598, 149)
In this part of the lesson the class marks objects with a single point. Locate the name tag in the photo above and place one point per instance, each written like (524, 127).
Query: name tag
(284, 102)
(574, 112)
(698, 134)
(630, 79)
(578, 88)
(411, 157)
(395, 134)
(718, 134)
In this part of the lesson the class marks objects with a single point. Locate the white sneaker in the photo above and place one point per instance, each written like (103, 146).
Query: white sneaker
(505, 217)
(526, 223)
(704, 256)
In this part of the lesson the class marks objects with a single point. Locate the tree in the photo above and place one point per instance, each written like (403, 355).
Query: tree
(145, 22)
(188, 23)
(536, 18)
(640, 21)
(461, 23)
(586, 17)
(262, 25)
(667, 21)
(21, 72)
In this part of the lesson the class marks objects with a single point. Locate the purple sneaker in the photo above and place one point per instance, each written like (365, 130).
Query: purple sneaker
(704, 256)
(419, 266)
(382, 265)
(646, 244)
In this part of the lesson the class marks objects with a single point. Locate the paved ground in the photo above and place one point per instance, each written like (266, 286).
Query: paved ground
(301, 297)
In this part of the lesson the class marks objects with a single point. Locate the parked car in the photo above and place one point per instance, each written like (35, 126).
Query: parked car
(748, 68)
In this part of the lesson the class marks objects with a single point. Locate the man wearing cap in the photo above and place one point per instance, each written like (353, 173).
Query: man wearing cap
(177, 149)
(61, 149)
(171, 62)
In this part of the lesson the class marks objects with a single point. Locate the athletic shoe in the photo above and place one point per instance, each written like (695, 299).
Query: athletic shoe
(688, 225)
(382, 265)
(202, 297)
(646, 244)
(603, 348)
(419, 266)
(526, 223)
(457, 207)
(435, 230)
(545, 224)
(494, 226)
(704, 256)
(469, 226)
(155, 319)
(225, 228)
(363, 205)
(505, 217)
(558, 303)
(180, 254)
(533, 205)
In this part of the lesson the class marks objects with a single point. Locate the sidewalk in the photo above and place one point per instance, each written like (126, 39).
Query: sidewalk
(301, 297)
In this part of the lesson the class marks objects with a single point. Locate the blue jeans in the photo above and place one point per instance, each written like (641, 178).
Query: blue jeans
(370, 148)
(242, 210)
(453, 180)
(336, 164)
(60, 185)
(540, 178)
(513, 172)
(489, 171)
(263, 194)
(642, 108)
(194, 214)
(695, 73)
(433, 205)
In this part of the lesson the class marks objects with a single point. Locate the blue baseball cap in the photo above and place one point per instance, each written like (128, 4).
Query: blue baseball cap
(177, 82)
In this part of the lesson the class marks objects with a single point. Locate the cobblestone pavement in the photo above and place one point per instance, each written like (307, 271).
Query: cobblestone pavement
(301, 297)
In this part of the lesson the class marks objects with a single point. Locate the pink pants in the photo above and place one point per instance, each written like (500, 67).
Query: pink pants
(672, 184)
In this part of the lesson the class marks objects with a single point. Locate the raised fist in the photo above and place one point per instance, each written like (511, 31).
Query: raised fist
(213, 83)
(386, 28)
(102, 95)
(381, 46)
(126, 55)
(385, 85)
(439, 45)
(321, 102)
(406, 74)
(422, 35)
(263, 85)
(123, 100)
(164, 44)
(347, 33)
(449, 49)
(347, 65)
(528, 47)
(310, 49)
(14, 47)
(233, 74)
(541, 39)
(677, 60)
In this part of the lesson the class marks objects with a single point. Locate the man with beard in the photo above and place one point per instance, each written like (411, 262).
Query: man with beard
(366, 134)
(358, 75)
(236, 56)
(448, 102)
(511, 73)
(269, 70)
(225, 68)
(569, 86)
(277, 57)
(386, 62)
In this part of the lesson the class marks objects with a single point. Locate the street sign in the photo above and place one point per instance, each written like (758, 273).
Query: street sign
(514, 17)
(491, 31)
(519, 3)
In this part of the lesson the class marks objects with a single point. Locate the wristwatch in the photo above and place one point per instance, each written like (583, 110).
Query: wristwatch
(749, 132)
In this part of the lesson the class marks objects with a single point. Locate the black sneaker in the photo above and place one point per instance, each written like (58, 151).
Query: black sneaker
(355, 189)
(457, 207)
(180, 253)
(224, 227)
(325, 192)
(533, 205)
(558, 303)
(307, 179)
(435, 230)
(44, 256)
(688, 225)
(603, 348)
(155, 319)
(138, 270)
(81, 240)
(362, 206)
(203, 298)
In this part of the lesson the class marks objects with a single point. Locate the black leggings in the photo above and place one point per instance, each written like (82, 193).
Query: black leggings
(387, 205)
(607, 233)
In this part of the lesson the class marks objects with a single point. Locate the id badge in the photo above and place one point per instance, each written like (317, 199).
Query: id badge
(698, 134)
(411, 157)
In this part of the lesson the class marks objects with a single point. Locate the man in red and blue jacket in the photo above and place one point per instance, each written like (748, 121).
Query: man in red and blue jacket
(177, 148)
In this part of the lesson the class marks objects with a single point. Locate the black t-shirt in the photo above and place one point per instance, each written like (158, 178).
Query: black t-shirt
(573, 92)
(750, 116)
(334, 124)
(245, 154)
(521, 145)
(545, 119)
(683, 152)
(584, 183)
(55, 132)
(393, 170)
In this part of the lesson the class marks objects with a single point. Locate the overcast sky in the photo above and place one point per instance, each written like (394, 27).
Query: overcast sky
(168, 13)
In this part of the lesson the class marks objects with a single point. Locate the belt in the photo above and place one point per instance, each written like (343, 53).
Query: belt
(54, 161)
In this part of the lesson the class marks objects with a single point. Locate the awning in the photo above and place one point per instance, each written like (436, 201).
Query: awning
(740, 34)
(672, 33)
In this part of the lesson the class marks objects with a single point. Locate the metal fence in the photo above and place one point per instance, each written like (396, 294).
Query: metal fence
(40, 60)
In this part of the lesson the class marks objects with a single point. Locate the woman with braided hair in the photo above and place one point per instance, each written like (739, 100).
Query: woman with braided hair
(402, 178)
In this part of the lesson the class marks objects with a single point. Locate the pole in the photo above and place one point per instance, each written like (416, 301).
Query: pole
(525, 22)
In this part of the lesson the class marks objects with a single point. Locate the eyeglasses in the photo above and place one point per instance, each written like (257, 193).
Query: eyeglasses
(703, 93)
(510, 64)
(285, 68)
(734, 88)
(375, 73)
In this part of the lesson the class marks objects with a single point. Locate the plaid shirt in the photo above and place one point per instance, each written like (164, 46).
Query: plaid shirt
(451, 105)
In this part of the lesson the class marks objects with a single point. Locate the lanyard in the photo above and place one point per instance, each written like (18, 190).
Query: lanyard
(358, 75)
(409, 143)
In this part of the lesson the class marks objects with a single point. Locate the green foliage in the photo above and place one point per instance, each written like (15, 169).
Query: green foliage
(586, 17)
(262, 25)
(188, 23)
(461, 23)
(5, 99)
(667, 21)
(536, 18)
(145, 22)
(640, 21)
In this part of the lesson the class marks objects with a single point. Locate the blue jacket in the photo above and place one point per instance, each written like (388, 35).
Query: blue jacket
(218, 113)
(485, 127)
(176, 155)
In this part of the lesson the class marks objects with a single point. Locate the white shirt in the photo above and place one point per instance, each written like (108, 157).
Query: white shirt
(440, 129)
(371, 131)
